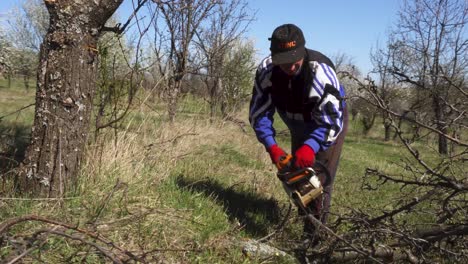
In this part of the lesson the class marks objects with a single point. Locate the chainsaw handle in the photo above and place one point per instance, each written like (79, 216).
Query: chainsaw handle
(284, 162)
(322, 171)
(291, 177)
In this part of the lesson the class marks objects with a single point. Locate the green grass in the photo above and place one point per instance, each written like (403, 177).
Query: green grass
(189, 190)
(15, 126)
(13, 99)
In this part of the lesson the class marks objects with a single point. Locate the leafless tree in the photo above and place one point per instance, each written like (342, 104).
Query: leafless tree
(429, 52)
(182, 19)
(121, 70)
(65, 93)
(426, 54)
(427, 218)
(238, 77)
(5, 54)
(345, 65)
(28, 24)
(227, 25)
(387, 87)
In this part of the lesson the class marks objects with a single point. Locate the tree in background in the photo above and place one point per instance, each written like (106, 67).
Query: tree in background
(65, 92)
(122, 67)
(432, 189)
(5, 54)
(345, 67)
(182, 20)
(428, 53)
(426, 218)
(238, 77)
(24, 64)
(228, 23)
(28, 23)
(387, 86)
(115, 87)
(27, 26)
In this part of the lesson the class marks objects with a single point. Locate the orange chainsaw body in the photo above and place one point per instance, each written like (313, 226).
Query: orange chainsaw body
(303, 185)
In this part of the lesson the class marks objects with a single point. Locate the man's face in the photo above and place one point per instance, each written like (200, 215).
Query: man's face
(291, 68)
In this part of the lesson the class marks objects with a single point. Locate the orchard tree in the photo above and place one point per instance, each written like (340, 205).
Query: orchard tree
(425, 221)
(28, 23)
(5, 54)
(345, 66)
(238, 74)
(428, 52)
(182, 19)
(65, 91)
(224, 30)
(387, 86)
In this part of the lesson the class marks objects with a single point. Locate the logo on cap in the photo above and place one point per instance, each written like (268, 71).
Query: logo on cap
(287, 45)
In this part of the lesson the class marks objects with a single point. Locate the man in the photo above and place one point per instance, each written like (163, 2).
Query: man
(301, 85)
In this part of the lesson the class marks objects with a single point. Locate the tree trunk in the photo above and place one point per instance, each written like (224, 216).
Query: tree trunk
(440, 123)
(26, 82)
(173, 100)
(354, 113)
(367, 123)
(387, 127)
(214, 97)
(65, 90)
(9, 80)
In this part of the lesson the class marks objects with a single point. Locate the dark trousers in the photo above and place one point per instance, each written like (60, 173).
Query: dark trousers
(330, 158)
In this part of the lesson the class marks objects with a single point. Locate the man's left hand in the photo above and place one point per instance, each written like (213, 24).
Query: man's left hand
(304, 157)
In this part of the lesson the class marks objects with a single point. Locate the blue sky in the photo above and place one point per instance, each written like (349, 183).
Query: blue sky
(345, 26)
(352, 27)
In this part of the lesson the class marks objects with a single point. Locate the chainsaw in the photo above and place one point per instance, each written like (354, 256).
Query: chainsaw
(302, 185)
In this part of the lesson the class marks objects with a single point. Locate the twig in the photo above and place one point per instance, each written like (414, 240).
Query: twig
(172, 140)
(19, 110)
(120, 29)
(104, 251)
(4, 226)
(29, 250)
(403, 208)
(238, 122)
(22, 255)
(106, 200)
(280, 226)
(381, 105)
(319, 224)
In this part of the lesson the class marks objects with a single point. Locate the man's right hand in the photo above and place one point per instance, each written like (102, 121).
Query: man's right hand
(276, 153)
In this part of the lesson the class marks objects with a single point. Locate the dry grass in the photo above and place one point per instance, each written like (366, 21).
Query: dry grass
(149, 208)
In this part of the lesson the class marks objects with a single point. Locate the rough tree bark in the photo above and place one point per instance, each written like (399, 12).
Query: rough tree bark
(437, 105)
(65, 89)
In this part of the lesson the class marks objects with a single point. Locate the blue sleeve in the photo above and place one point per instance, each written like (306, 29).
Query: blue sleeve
(328, 114)
(262, 110)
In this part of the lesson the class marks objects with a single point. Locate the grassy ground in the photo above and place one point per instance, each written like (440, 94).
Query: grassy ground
(188, 192)
(14, 126)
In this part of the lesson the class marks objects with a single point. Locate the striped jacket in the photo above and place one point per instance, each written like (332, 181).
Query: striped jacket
(312, 98)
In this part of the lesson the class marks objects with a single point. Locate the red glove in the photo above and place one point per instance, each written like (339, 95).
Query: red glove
(276, 153)
(305, 157)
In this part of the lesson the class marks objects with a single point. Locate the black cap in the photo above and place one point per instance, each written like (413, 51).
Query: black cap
(287, 44)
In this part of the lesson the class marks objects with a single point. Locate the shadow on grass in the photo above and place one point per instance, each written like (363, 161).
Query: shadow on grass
(255, 213)
(14, 138)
